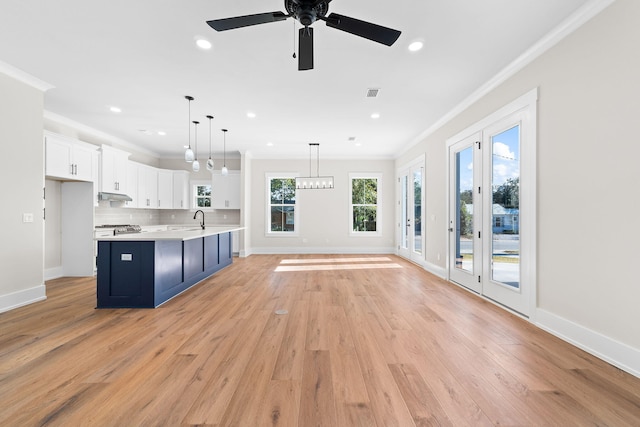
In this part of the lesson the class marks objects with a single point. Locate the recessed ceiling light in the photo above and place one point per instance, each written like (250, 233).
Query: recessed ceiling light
(375, 116)
(251, 115)
(269, 144)
(161, 133)
(358, 144)
(115, 109)
(203, 43)
(416, 46)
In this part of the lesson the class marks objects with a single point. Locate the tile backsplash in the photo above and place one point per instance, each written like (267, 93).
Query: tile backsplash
(109, 215)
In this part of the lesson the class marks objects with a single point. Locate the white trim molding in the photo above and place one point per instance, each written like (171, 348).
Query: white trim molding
(22, 298)
(611, 351)
(24, 77)
(568, 26)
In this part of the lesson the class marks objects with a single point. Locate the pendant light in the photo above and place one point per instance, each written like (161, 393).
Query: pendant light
(196, 164)
(316, 182)
(224, 170)
(210, 160)
(188, 154)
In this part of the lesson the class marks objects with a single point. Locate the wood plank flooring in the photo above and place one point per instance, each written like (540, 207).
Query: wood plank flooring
(366, 341)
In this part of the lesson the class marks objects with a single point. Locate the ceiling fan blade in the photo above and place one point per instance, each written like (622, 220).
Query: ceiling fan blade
(246, 21)
(377, 33)
(305, 49)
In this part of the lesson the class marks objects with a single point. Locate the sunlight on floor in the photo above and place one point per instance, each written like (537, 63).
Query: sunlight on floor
(333, 260)
(328, 264)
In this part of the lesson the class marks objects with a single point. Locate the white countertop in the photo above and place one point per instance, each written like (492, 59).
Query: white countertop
(183, 234)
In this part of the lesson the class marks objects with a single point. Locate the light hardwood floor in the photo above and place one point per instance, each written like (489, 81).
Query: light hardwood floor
(367, 341)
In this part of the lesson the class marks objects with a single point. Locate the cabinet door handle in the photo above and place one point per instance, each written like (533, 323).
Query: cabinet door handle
(71, 169)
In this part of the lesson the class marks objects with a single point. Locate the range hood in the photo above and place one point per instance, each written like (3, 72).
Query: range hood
(114, 197)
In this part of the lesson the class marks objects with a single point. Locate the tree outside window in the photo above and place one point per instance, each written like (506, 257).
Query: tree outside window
(202, 196)
(282, 205)
(365, 204)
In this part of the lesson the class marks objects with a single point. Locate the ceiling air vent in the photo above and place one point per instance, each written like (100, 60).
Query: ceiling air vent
(372, 92)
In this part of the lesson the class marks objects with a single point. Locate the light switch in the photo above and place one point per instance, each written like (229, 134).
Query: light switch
(27, 217)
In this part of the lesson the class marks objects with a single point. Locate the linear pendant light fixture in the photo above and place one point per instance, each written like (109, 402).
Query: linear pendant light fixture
(314, 182)
(196, 164)
(210, 160)
(224, 170)
(188, 154)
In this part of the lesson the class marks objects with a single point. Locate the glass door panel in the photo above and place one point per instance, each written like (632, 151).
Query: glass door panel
(465, 260)
(417, 211)
(404, 222)
(464, 209)
(505, 185)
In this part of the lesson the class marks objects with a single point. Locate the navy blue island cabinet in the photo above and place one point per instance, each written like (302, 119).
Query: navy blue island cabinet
(148, 272)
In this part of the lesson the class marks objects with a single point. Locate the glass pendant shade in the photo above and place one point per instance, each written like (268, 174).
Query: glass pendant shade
(224, 171)
(188, 155)
(195, 164)
(210, 161)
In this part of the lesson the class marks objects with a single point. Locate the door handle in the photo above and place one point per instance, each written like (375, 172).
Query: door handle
(450, 230)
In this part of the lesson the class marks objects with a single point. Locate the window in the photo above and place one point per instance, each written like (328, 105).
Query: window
(201, 192)
(281, 205)
(365, 213)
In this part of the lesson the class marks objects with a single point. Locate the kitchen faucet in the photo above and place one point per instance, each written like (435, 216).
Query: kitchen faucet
(196, 214)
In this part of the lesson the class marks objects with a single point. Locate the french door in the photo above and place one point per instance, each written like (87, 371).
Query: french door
(491, 224)
(411, 230)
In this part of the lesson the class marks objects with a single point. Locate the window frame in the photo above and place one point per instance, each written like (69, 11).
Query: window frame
(194, 195)
(379, 204)
(269, 176)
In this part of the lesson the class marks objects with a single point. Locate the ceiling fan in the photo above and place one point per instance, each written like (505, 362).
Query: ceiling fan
(307, 12)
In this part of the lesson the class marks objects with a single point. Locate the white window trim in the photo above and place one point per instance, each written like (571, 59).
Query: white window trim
(378, 232)
(192, 191)
(267, 207)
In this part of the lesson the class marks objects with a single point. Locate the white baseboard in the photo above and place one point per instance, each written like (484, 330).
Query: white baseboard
(322, 250)
(611, 351)
(436, 270)
(22, 298)
(53, 273)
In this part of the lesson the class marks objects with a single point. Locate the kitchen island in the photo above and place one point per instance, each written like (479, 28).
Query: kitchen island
(144, 270)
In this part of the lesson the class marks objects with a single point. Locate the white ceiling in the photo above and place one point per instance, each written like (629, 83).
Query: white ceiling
(141, 56)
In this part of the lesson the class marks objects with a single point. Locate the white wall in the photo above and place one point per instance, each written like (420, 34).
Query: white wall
(52, 231)
(22, 175)
(323, 214)
(589, 103)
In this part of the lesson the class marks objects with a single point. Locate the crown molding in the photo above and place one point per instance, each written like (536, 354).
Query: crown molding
(24, 77)
(568, 26)
(57, 118)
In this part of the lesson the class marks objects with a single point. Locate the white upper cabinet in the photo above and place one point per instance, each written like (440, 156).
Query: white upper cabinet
(147, 187)
(165, 189)
(68, 158)
(226, 190)
(132, 185)
(113, 171)
(181, 189)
